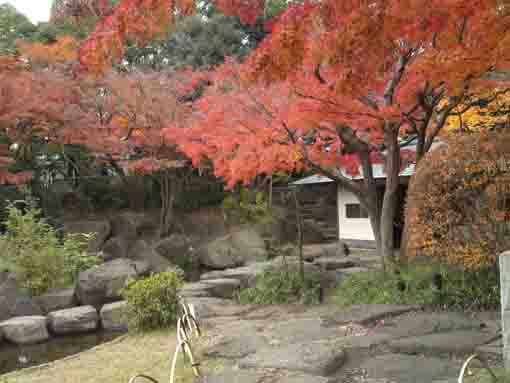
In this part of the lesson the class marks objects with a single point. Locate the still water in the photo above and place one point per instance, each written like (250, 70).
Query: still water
(13, 357)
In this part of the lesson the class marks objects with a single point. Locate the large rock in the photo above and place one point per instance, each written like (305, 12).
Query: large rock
(141, 250)
(102, 230)
(13, 302)
(233, 250)
(245, 274)
(102, 284)
(131, 225)
(25, 330)
(177, 248)
(114, 316)
(115, 248)
(217, 288)
(57, 300)
(73, 321)
(251, 245)
(220, 254)
(223, 288)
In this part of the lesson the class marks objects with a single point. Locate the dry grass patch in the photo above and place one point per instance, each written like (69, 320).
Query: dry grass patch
(115, 362)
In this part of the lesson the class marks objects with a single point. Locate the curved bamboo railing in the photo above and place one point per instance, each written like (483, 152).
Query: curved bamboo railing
(187, 326)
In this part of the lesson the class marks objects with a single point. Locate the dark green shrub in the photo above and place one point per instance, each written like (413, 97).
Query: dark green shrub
(152, 302)
(460, 290)
(281, 286)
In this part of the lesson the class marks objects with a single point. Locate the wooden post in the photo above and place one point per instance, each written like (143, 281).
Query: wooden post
(504, 272)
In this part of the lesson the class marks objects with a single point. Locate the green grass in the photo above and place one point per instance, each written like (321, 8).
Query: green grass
(117, 362)
(461, 290)
(483, 376)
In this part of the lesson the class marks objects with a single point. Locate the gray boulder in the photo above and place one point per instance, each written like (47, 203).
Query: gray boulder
(246, 275)
(57, 300)
(175, 248)
(142, 251)
(250, 244)
(73, 321)
(25, 330)
(102, 284)
(114, 316)
(13, 302)
(236, 249)
(220, 254)
(131, 225)
(223, 288)
(102, 230)
(115, 248)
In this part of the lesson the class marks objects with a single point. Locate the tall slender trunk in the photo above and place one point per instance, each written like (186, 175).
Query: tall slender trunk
(390, 199)
(168, 195)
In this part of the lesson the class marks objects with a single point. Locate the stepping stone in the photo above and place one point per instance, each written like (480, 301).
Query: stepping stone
(334, 263)
(114, 316)
(208, 307)
(234, 377)
(234, 340)
(223, 288)
(305, 379)
(25, 330)
(246, 274)
(195, 290)
(423, 323)
(459, 342)
(360, 314)
(301, 330)
(73, 321)
(321, 359)
(409, 369)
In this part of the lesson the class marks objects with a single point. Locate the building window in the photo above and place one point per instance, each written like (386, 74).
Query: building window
(355, 210)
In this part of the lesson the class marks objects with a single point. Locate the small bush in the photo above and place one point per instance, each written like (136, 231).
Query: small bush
(415, 284)
(38, 257)
(152, 302)
(281, 286)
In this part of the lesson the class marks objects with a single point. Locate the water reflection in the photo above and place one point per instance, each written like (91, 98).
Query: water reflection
(14, 357)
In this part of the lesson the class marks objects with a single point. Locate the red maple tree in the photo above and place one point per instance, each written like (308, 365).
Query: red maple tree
(336, 85)
(343, 85)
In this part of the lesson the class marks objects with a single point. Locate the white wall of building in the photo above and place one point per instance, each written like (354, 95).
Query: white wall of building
(352, 228)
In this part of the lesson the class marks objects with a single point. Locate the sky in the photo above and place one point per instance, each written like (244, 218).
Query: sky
(35, 10)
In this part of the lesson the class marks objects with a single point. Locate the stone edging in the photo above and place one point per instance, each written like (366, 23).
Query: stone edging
(67, 358)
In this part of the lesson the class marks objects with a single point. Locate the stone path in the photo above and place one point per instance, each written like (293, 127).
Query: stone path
(327, 344)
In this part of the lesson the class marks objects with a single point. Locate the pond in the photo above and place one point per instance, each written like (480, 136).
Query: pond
(14, 357)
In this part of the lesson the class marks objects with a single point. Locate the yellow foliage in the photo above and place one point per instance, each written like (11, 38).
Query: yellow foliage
(482, 116)
(64, 50)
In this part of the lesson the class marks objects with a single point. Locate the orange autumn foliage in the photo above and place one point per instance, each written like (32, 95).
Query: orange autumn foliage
(63, 51)
(458, 208)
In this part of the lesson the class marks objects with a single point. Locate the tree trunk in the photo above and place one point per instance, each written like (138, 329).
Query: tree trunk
(403, 244)
(390, 199)
(375, 222)
(168, 194)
